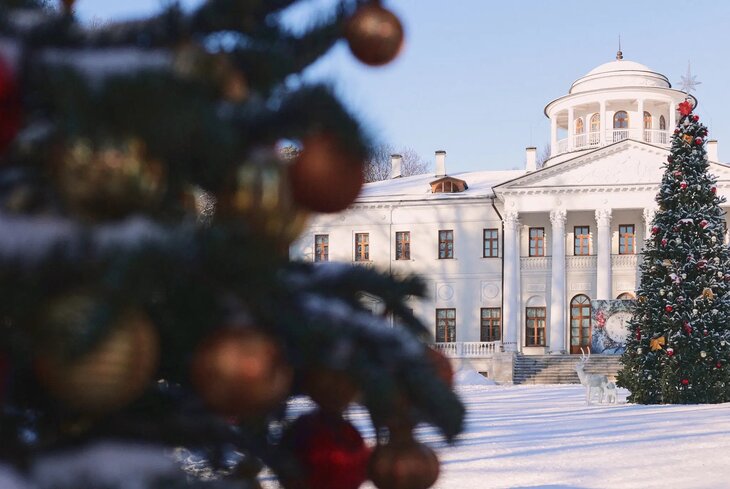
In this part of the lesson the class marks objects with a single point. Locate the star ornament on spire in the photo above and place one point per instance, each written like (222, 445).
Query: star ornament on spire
(688, 83)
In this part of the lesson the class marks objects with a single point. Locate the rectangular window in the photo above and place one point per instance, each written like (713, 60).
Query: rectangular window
(321, 247)
(491, 324)
(491, 243)
(445, 325)
(362, 247)
(446, 244)
(403, 245)
(537, 241)
(581, 238)
(535, 326)
(626, 239)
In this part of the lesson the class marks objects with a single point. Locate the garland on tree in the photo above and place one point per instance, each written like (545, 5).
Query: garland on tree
(678, 350)
(145, 217)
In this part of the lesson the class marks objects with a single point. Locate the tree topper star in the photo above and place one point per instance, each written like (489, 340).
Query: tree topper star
(688, 83)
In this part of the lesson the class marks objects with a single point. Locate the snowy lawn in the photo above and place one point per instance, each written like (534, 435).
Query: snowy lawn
(547, 437)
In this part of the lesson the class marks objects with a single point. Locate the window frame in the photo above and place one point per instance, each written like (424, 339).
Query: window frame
(629, 243)
(581, 240)
(363, 254)
(648, 118)
(491, 325)
(597, 119)
(580, 127)
(539, 242)
(582, 303)
(323, 254)
(662, 123)
(493, 242)
(449, 325)
(540, 323)
(404, 244)
(448, 252)
(616, 119)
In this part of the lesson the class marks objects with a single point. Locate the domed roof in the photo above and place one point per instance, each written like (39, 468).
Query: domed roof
(619, 73)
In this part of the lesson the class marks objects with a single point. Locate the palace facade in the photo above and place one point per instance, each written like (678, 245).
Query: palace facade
(514, 258)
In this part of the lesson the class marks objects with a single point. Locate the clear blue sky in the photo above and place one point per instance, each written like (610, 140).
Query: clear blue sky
(476, 74)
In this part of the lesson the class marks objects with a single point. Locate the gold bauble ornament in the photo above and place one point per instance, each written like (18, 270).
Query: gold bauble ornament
(261, 196)
(403, 464)
(113, 373)
(374, 34)
(241, 372)
(109, 180)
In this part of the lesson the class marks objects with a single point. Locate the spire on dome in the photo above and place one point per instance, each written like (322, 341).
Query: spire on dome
(619, 54)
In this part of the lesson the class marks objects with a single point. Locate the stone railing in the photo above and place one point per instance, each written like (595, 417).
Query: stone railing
(468, 349)
(624, 261)
(535, 263)
(583, 262)
(593, 139)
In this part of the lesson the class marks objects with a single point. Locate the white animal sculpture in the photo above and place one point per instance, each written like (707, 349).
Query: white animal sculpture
(592, 382)
(611, 393)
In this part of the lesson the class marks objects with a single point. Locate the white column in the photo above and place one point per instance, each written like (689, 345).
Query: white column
(605, 125)
(511, 292)
(603, 282)
(554, 135)
(672, 117)
(571, 128)
(641, 119)
(602, 116)
(649, 213)
(557, 285)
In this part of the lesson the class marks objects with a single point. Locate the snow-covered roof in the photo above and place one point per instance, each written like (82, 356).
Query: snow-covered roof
(417, 187)
(619, 74)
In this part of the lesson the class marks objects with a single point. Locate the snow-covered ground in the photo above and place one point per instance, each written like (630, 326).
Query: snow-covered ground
(547, 437)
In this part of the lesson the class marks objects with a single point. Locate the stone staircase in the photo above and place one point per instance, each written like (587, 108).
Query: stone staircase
(559, 369)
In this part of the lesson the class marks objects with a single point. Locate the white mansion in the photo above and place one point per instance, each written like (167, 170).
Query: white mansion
(513, 259)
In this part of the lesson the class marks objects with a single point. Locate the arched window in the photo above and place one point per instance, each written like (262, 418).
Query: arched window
(662, 123)
(621, 120)
(579, 125)
(595, 122)
(580, 323)
(626, 296)
(647, 120)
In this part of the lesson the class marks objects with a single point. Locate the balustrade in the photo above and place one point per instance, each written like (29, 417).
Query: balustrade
(593, 139)
(468, 349)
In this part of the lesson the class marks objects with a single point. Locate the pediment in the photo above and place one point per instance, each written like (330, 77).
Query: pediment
(625, 164)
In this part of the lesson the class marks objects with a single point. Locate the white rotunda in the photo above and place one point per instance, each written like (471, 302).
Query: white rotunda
(614, 101)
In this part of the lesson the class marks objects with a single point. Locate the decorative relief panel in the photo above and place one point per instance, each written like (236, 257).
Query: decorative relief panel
(490, 290)
(580, 286)
(535, 288)
(444, 292)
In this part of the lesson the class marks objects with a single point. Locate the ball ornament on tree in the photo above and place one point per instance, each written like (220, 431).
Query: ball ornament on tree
(330, 451)
(260, 195)
(10, 107)
(109, 180)
(240, 372)
(683, 185)
(685, 381)
(695, 118)
(668, 308)
(326, 176)
(114, 372)
(670, 351)
(374, 34)
(655, 230)
(698, 141)
(403, 464)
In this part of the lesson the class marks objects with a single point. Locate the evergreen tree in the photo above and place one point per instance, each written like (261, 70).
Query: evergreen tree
(678, 348)
(145, 218)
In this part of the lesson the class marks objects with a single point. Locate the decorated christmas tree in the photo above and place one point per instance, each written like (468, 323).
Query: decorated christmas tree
(678, 349)
(147, 300)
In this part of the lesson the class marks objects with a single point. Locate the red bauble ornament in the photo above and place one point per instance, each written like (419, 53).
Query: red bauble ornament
(670, 352)
(374, 34)
(326, 177)
(330, 450)
(705, 332)
(240, 372)
(676, 131)
(664, 242)
(670, 159)
(698, 141)
(668, 308)
(695, 118)
(10, 108)
(683, 185)
(677, 174)
(444, 370)
(655, 230)
(718, 365)
(713, 190)
(685, 108)
(333, 390)
(404, 464)
(701, 264)
(685, 381)
(638, 335)
(704, 223)
(687, 328)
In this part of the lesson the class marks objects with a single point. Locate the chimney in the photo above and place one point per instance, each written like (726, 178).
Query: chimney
(396, 162)
(530, 158)
(712, 154)
(440, 163)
